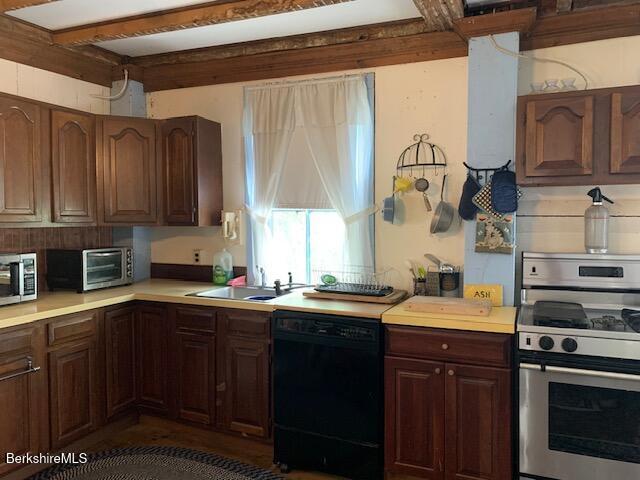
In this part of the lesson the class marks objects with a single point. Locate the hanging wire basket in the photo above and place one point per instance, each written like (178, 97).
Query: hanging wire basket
(421, 155)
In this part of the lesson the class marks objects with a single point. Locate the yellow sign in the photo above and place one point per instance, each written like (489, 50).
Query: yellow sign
(484, 292)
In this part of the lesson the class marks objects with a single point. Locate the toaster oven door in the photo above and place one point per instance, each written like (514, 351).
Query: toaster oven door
(103, 268)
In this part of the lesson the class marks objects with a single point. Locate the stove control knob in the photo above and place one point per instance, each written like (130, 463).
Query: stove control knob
(546, 343)
(569, 345)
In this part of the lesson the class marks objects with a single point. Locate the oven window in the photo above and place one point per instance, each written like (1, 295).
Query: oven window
(104, 266)
(592, 421)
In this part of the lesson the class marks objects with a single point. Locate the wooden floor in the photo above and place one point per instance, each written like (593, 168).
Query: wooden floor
(158, 432)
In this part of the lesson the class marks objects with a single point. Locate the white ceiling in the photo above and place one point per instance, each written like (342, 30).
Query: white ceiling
(68, 13)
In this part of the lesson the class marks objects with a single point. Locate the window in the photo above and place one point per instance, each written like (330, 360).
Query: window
(303, 242)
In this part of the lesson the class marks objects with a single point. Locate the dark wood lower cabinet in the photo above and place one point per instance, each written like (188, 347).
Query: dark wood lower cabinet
(72, 392)
(246, 386)
(196, 382)
(414, 421)
(446, 420)
(478, 416)
(153, 338)
(120, 342)
(23, 421)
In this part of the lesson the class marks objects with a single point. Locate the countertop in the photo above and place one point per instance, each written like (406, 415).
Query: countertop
(500, 320)
(54, 304)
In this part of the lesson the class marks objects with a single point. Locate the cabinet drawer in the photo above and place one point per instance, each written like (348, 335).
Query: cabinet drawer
(245, 322)
(492, 349)
(197, 320)
(72, 327)
(15, 342)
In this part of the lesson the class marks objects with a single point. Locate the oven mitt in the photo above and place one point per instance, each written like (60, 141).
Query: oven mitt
(466, 208)
(504, 192)
(482, 200)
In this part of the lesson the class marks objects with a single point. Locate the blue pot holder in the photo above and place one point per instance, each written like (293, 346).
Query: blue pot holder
(504, 192)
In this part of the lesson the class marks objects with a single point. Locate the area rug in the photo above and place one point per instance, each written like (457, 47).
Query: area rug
(156, 463)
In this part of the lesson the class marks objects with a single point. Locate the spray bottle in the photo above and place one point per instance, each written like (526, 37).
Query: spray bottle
(596, 223)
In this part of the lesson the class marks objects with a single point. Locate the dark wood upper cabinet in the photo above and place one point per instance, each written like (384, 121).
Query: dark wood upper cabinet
(153, 358)
(625, 133)
(73, 167)
(120, 339)
(192, 171)
(478, 432)
(586, 137)
(415, 420)
(559, 137)
(128, 173)
(21, 150)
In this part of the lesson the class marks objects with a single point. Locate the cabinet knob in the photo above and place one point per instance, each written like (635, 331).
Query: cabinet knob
(451, 373)
(445, 346)
(437, 371)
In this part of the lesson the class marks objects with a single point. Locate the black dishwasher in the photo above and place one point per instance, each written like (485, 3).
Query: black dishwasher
(328, 394)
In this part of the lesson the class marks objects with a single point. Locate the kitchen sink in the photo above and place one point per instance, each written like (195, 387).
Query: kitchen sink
(253, 294)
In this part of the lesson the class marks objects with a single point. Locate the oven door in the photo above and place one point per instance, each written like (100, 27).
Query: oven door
(579, 423)
(103, 267)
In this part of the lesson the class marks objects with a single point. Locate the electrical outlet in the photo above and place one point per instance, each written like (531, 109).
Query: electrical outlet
(196, 255)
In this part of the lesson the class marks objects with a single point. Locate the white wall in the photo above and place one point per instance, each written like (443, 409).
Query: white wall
(37, 84)
(421, 97)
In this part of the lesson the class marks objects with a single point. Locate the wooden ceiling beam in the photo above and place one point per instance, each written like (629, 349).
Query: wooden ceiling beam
(440, 14)
(8, 5)
(182, 18)
(520, 20)
(30, 45)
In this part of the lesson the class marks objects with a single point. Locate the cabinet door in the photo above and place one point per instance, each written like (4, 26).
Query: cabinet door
(153, 352)
(120, 359)
(72, 392)
(129, 171)
(246, 386)
(414, 417)
(20, 418)
(196, 377)
(559, 136)
(73, 162)
(179, 171)
(20, 161)
(625, 133)
(478, 423)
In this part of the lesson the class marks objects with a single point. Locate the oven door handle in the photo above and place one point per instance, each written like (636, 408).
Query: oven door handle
(581, 371)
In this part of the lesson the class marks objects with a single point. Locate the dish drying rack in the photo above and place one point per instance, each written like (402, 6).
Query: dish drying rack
(353, 281)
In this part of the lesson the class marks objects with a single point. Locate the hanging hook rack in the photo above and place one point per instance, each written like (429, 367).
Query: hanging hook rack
(409, 160)
(485, 173)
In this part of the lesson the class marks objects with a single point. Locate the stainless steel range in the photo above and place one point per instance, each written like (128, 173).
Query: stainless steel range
(579, 367)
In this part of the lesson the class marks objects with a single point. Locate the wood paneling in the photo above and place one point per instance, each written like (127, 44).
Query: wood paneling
(20, 161)
(73, 167)
(191, 273)
(414, 418)
(559, 137)
(120, 339)
(478, 432)
(128, 171)
(72, 392)
(625, 132)
(181, 18)
(520, 20)
(153, 337)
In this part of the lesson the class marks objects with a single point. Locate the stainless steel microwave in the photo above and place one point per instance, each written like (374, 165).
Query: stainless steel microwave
(18, 278)
(92, 269)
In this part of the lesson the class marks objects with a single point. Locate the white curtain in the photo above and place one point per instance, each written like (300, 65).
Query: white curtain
(268, 125)
(338, 123)
(337, 119)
